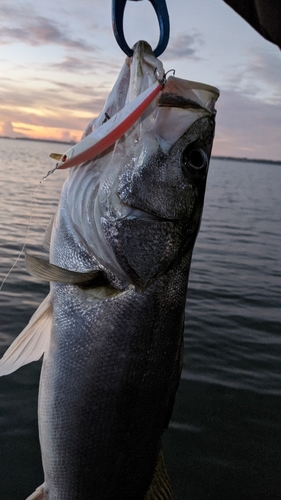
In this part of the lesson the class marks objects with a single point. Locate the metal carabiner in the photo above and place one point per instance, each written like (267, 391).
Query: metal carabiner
(160, 7)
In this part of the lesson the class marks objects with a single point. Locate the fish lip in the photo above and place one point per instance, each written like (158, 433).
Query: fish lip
(150, 217)
(140, 214)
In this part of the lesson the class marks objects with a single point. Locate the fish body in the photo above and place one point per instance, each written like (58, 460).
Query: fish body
(107, 388)
(113, 357)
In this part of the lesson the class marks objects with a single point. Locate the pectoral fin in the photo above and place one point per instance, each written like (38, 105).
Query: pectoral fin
(160, 488)
(38, 494)
(32, 342)
(41, 268)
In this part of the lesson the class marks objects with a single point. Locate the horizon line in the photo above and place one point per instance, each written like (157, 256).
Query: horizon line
(215, 157)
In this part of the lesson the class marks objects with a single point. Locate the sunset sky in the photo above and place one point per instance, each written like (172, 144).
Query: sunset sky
(59, 60)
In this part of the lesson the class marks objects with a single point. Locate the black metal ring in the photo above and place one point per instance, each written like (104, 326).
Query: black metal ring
(160, 7)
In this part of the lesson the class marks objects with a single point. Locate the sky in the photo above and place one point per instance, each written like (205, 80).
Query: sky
(59, 60)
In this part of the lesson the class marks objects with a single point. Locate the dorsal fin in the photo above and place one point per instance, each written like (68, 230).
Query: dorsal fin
(41, 268)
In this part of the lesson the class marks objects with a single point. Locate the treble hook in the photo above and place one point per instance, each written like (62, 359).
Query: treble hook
(160, 7)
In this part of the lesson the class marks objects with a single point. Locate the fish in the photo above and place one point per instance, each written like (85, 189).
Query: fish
(111, 329)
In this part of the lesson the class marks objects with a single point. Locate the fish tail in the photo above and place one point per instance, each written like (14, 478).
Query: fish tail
(160, 488)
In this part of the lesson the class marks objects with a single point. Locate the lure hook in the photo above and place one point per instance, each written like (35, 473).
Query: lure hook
(160, 7)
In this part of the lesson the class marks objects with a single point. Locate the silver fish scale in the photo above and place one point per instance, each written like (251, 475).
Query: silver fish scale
(107, 388)
(112, 370)
(67, 249)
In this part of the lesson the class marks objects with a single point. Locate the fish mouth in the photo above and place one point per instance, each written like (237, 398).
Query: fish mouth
(130, 213)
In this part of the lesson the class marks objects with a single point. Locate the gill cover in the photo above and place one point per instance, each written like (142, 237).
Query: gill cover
(122, 198)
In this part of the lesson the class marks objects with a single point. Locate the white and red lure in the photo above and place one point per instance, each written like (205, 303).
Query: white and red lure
(110, 131)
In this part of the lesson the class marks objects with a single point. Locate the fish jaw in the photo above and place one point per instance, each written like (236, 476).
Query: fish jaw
(154, 215)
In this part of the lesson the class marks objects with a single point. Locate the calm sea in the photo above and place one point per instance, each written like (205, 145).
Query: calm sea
(224, 441)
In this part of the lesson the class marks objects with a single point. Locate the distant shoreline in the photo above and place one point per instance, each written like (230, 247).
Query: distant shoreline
(249, 160)
(71, 143)
(226, 158)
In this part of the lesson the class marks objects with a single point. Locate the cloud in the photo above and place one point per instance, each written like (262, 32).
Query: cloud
(51, 104)
(24, 26)
(86, 64)
(183, 46)
(8, 130)
(259, 76)
(247, 126)
(84, 98)
(266, 68)
(71, 64)
(66, 136)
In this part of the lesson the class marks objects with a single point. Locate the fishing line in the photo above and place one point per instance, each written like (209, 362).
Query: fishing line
(28, 227)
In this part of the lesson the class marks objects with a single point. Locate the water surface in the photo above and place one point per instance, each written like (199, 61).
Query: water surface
(224, 439)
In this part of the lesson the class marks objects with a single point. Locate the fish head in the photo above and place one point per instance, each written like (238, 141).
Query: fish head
(152, 199)
(146, 205)
(159, 202)
(164, 181)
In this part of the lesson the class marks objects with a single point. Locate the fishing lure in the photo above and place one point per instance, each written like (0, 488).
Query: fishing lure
(110, 131)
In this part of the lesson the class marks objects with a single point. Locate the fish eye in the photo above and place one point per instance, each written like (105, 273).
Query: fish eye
(195, 161)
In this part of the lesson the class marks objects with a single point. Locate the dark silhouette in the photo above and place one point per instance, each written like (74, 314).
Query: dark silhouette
(263, 15)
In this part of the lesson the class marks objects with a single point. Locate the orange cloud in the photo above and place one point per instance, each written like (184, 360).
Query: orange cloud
(20, 129)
